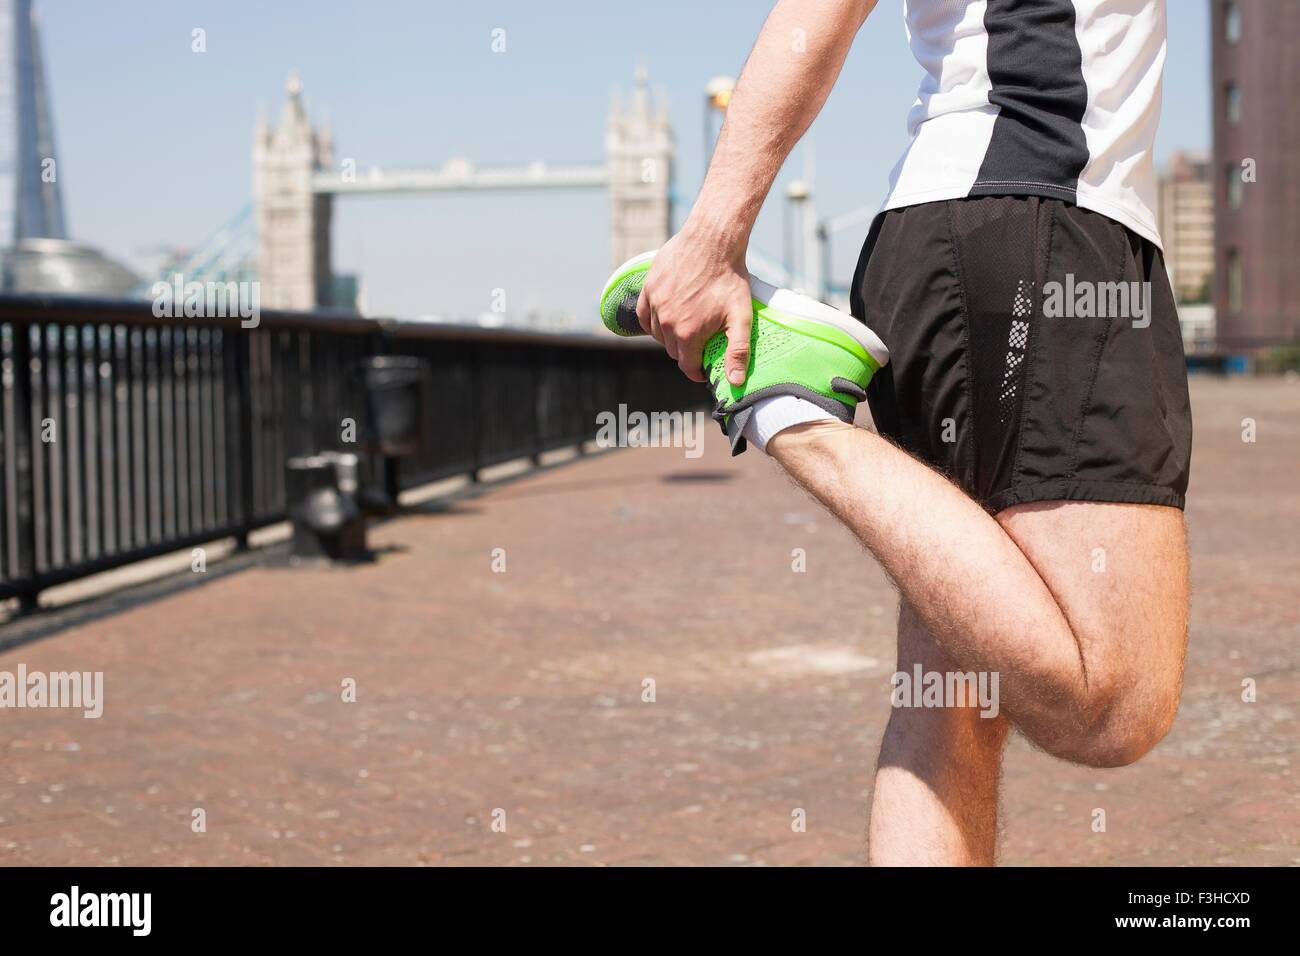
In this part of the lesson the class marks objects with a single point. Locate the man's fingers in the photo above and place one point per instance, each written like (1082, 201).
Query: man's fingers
(738, 325)
(684, 339)
(670, 342)
(653, 329)
(644, 313)
(691, 358)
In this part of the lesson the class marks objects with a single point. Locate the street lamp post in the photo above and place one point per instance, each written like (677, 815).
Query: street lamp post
(717, 96)
(796, 194)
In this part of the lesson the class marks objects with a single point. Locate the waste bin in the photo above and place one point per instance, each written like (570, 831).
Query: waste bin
(397, 390)
(397, 394)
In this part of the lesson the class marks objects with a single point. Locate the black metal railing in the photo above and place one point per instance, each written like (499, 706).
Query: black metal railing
(124, 436)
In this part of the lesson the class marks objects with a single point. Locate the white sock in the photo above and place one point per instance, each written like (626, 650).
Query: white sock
(776, 414)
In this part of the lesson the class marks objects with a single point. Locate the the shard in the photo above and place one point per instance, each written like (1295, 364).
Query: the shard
(36, 257)
(30, 203)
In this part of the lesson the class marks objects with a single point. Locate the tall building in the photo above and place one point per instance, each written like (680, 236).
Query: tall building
(36, 253)
(1185, 211)
(30, 204)
(1256, 77)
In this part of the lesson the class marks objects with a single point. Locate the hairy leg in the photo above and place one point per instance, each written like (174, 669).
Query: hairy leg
(935, 800)
(1119, 573)
(1089, 662)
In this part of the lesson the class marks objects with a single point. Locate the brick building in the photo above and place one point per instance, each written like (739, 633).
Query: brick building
(1256, 84)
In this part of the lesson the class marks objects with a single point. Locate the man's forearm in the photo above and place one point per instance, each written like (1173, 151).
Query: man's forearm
(794, 64)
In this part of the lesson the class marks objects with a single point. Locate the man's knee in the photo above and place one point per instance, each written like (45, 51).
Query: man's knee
(1119, 574)
(1119, 726)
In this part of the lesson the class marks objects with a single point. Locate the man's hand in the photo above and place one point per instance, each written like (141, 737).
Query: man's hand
(695, 288)
(698, 283)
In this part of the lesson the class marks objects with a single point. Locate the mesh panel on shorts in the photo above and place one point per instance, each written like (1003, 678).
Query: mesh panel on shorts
(1017, 341)
(998, 242)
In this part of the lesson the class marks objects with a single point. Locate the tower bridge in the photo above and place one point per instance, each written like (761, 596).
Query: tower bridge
(296, 179)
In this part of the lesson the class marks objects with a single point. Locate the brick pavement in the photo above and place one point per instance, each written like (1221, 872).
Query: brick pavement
(522, 691)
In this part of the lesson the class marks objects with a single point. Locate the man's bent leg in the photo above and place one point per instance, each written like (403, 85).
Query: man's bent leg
(1119, 573)
(1064, 669)
(935, 799)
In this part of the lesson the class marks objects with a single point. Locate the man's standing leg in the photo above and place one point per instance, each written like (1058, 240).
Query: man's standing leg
(935, 800)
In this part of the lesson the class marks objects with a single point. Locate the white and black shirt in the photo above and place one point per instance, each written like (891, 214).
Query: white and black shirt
(1036, 97)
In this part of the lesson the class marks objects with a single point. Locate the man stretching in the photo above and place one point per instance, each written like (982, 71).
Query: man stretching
(1025, 491)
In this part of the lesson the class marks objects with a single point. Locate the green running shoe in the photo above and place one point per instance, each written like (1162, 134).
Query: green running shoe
(798, 346)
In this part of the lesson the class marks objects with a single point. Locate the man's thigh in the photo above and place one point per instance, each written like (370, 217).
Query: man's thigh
(1120, 574)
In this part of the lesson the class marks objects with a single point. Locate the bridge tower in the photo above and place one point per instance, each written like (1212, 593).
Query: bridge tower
(293, 221)
(639, 152)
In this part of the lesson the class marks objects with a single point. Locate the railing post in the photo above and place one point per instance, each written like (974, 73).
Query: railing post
(477, 387)
(589, 378)
(539, 371)
(243, 438)
(392, 478)
(24, 572)
(381, 344)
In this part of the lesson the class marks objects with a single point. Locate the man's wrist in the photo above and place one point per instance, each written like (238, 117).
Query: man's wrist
(727, 234)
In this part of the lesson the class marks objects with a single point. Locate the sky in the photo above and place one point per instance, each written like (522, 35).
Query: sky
(154, 140)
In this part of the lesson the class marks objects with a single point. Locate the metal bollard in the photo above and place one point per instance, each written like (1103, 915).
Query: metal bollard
(321, 494)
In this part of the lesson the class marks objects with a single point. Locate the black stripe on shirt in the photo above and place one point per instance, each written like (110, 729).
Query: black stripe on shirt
(1036, 69)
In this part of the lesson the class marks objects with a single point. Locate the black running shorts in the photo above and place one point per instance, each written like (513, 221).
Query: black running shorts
(1034, 347)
